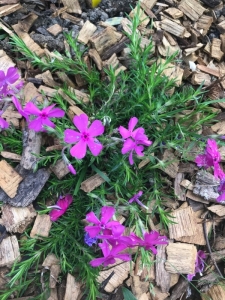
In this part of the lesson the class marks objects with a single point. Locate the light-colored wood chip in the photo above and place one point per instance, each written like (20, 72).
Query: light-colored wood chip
(47, 91)
(187, 184)
(9, 179)
(210, 71)
(28, 21)
(165, 48)
(221, 26)
(86, 32)
(216, 49)
(219, 127)
(121, 272)
(185, 223)
(73, 288)
(65, 79)
(81, 96)
(156, 294)
(216, 292)
(34, 47)
(5, 61)
(105, 39)
(149, 3)
(60, 169)
(112, 61)
(181, 258)
(9, 9)
(10, 155)
(196, 198)
(9, 251)
(219, 243)
(53, 263)
(55, 29)
(201, 78)
(91, 183)
(31, 92)
(12, 116)
(16, 219)
(192, 9)
(144, 19)
(217, 209)
(41, 227)
(173, 163)
(173, 27)
(96, 58)
(71, 18)
(163, 278)
(188, 51)
(74, 111)
(174, 279)
(138, 287)
(204, 23)
(48, 79)
(175, 13)
(72, 6)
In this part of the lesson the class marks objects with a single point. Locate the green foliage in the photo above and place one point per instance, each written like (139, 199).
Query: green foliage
(142, 91)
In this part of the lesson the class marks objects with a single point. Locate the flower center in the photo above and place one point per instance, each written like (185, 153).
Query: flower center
(85, 136)
(102, 226)
(44, 115)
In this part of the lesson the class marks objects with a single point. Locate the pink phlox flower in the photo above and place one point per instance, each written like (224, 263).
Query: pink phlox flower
(150, 240)
(85, 137)
(42, 116)
(134, 140)
(210, 158)
(61, 207)
(114, 236)
(102, 224)
(7, 80)
(3, 123)
(110, 255)
(221, 190)
(136, 197)
(199, 264)
(18, 106)
(71, 169)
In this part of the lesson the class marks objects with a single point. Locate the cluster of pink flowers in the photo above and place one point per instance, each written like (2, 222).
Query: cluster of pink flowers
(211, 158)
(113, 241)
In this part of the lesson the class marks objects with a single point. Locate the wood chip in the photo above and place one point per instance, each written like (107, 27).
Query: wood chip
(174, 12)
(91, 183)
(16, 219)
(138, 287)
(86, 32)
(52, 262)
(192, 9)
(9, 9)
(34, 47)
(178, 190)
(81, 96)
(71, 18)
(209, 70)
(9, 251)
(219, 128)
(165, 48)
(144, 19)
(47, 91)
(60, 169)
(194, 197)
(216, 292)
(219, 243)
(173, 27)
(216, 49)
(5, 61)
(10, 155)
(72, 6)
(204, 23)
(55, 29)
(181, 258)
(31, 92)
(163, 278)
(105, 39)
(74, 111)
(172, 168)
(73, 288)
(28, 21)
(9, 179)
(96, 58)
(12, 116)
(48, 79)
(218, 209)
(156, 294)
(41, 227)
(185, 223)
(221, 26)
(65, 79)
(149, 3)
(187, 184)
(201, 79)
(121, 272)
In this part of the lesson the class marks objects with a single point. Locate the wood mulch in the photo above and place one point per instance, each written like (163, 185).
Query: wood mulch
(196, 30)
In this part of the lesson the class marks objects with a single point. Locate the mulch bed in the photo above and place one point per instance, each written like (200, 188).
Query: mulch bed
(193, 29)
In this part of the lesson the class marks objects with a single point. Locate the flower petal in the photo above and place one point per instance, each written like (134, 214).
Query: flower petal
(92, 230)
(96, 128)
(36, 125)
(105, 248)
(79, 150)
(56, 113)
(91, 217)
(55, 214)
(64, 202)
(71, 136)
(106, 213)
(128, 146)
(125, 257)
(3, 124)
(31, 109)
(124, 132)
(47, 122)
(97, 261)
(2, 78)
(131, 161)
(81, 122)
(132, 123)
(138, 150)
(95, 146)
(12, 75)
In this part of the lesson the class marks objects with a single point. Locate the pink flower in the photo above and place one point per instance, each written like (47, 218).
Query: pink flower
(114, 236)
(106, 214)
(85, 137)
(42, 116)
(7, 80)
(150, 240)
(210, 158)
(71, 169)
(3, 123)
(199, 264)
(134, 140)
(61, 207)
(136, 197)
(110, 255)
(18, 106)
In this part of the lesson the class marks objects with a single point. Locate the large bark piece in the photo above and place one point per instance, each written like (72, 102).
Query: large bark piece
(162, 276)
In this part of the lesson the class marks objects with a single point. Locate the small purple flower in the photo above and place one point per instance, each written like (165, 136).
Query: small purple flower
(134, 140)
(7, 81)
(90, 241)
(104, 223)
(61, 207)
(85, 137)
(221, 190)
(150, 241)
(42, 116)
(136, 197)
(210, 158)
(110, 255)
(18, 106)
(199, 264)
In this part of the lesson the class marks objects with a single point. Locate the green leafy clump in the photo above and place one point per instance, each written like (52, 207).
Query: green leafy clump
(142, 91)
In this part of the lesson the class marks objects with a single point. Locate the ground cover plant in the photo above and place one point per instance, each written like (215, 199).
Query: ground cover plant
(131, 117)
